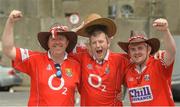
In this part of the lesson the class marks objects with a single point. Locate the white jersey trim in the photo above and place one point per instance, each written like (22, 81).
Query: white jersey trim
(24, 54)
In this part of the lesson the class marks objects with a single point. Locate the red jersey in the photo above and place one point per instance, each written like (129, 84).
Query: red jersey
(101, 83)
(47, 89)
(152, 87)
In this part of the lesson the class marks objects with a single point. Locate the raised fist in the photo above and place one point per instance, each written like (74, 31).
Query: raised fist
(15, 15)
(160, 24)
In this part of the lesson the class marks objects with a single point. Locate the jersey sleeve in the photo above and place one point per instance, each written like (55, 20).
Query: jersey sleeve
(167, 70)
(22, 60)
(78, 53)
(77, 72)
(78, 68)
(123, 66)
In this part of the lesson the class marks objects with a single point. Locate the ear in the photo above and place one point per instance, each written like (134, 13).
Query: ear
(67, 43)
(149, 49)
(109, 41)
(131, 60)
(48, 42)
(108, 44)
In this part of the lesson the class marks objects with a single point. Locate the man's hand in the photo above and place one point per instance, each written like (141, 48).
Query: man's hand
(159, 54)
(160, 24)
(15, 15)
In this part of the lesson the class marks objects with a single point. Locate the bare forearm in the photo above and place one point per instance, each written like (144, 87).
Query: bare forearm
(7, 38)
(170, 46)
(8, 34)
(169, 43)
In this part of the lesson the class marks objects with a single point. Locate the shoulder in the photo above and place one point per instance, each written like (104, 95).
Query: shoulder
(72, 61)
(160, 62)
(26, 53)
(152, 59)
(119, 56)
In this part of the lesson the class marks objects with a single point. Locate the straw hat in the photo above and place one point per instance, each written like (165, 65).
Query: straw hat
(138, 38)
(43, 37)
(96, 19)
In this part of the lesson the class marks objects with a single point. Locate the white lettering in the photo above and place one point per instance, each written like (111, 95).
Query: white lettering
(50, 82)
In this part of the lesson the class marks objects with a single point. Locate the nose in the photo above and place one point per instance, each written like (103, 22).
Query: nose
(98, 44)
(136, 51)
(57, 40)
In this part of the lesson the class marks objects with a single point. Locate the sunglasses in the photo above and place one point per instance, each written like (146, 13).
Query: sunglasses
(58, 69)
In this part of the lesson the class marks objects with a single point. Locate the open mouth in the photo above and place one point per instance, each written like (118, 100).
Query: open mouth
(99, 52)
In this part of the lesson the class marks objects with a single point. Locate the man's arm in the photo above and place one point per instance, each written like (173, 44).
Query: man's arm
(169, 43)
(8, 34)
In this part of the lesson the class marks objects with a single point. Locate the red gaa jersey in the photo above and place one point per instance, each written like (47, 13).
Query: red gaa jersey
(101, 83)
(152, 87)
(46, 88)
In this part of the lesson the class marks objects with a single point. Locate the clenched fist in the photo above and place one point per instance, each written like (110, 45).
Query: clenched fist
(161, 24)
(15, 15)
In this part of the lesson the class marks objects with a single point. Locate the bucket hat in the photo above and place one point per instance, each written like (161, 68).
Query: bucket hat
(137, 37)
(43, 37)
(96, 19)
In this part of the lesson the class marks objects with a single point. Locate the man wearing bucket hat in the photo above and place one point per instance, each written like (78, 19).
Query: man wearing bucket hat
(54, 76)
(148, 79)
(102, 70)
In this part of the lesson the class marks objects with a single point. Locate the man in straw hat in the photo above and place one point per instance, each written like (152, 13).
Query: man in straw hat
(54, 76)
(102, 70)
(148, 79)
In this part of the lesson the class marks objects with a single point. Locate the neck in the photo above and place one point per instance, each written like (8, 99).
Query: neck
(58, 58)
(140, 66)
(142, 63)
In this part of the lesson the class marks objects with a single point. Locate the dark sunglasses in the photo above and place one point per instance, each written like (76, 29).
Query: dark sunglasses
(58, 72)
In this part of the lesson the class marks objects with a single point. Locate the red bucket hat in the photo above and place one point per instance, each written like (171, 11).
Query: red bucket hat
(96, 19)
(138, 38)
(43, 37)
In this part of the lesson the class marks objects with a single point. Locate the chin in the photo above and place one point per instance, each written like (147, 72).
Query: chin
(59, 52)
(100, 58)
(139, 62)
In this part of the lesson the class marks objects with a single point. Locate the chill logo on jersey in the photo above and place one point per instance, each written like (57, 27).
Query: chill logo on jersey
(68, 72)
(140, 94)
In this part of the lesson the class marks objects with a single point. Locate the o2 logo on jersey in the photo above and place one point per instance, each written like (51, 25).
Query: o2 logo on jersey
(59, 87)
(140, 94)
(99, 82)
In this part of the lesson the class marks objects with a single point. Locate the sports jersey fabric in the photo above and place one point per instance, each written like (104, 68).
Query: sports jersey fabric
(47, 89)
(152, 87)
(101, 83)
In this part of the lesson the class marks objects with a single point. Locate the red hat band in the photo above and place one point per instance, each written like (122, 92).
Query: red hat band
(56, 29)
(136, 37)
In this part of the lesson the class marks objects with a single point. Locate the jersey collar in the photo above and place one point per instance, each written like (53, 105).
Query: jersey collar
(141, 70)
(65, 56)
